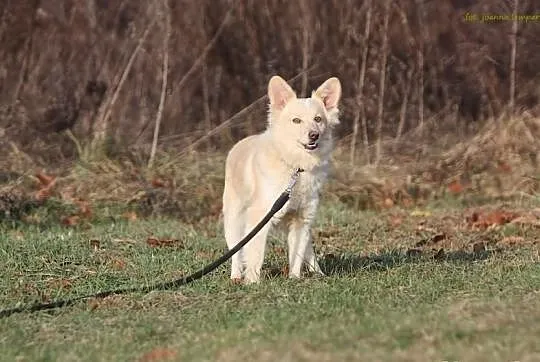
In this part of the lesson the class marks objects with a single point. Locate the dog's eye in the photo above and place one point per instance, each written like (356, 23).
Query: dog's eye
(317, 119)
(297, 120)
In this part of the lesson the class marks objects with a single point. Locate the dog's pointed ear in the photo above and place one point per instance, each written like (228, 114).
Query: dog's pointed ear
(329, 93)
(279, 92)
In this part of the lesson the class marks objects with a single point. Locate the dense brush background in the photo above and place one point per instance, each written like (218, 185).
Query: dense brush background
(429, 97)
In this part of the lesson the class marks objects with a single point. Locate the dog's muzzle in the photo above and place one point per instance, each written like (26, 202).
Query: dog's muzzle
(313, 137)
(311, 146)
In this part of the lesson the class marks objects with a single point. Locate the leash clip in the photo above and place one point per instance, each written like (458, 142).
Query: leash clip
(294, 177)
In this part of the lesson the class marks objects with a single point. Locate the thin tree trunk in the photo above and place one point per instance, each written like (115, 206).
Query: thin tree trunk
(403, 110)
(360, 111)
(513, 41)
(305, 45)
(382, 80)
(205, 90)
(206, 100)
(420, 58)
(164, 77)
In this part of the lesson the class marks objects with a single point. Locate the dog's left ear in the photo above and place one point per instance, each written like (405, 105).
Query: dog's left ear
(329, 93)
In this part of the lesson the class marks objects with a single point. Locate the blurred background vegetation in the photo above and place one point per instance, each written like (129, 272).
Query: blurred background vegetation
(436, 100)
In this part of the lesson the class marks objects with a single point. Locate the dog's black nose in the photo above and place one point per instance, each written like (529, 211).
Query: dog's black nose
(313, 136)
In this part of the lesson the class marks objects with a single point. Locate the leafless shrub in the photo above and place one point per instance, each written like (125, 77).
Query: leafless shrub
(63, 66)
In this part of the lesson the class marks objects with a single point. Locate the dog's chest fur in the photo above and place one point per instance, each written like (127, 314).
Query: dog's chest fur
(304, 196)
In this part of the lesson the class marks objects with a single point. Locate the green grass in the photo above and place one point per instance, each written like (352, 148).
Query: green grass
(378, 302)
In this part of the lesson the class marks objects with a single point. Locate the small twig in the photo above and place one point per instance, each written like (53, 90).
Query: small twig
(23, 74)
(99, 133)
(232, 118)
(205, 51)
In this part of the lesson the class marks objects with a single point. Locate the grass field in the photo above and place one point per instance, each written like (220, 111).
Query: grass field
(402, 285)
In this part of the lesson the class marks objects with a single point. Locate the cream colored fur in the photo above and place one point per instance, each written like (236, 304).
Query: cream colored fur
(259, 167)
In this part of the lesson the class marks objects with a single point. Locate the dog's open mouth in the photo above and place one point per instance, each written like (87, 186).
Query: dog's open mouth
(311, 146)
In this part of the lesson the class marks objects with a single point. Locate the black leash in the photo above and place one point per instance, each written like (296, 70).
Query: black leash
(278, 204)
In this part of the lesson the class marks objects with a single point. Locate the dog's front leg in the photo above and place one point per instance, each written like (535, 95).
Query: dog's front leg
(255, 249)
(311, 259)
(299, 240)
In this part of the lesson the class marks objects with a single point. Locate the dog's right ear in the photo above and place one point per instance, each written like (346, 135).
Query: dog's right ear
(279, 92)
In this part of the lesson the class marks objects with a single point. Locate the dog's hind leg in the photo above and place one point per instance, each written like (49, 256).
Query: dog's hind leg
(234, 232)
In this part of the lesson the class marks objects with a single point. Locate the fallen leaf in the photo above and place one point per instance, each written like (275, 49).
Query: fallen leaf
(388, 202)
(236, 281)
(93, 303)
(205, 254)
(155, 242)
(491, 219)
(130, 215)
(407, 202)
(504, 167)
(420, 213)
(45, 180)
(84, 208)
(59, 283)
(71, 220)
(43, 194)
(455, 187)
(158, 354)
(118, 264)
(157, 182)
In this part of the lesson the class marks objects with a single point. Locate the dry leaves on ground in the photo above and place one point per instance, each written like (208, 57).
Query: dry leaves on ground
(158, 243)
(158, 354)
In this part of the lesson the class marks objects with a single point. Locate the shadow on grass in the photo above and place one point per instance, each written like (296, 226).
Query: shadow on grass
(349, 263)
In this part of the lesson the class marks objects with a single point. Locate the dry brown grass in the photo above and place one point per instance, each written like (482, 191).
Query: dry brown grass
(498, 162)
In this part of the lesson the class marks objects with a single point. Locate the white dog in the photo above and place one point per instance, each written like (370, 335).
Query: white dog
(259, 167)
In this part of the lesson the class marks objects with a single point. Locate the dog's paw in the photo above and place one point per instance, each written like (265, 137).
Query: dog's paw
(236, 281)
